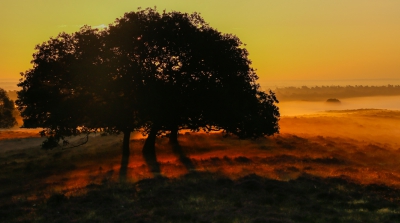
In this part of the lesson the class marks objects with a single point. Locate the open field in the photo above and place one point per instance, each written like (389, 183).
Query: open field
(339, 166)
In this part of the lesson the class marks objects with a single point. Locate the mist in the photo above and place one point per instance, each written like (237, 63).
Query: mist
(9, 84)
(272, 84)
(293, 108)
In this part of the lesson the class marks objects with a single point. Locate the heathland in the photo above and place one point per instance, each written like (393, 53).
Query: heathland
(334, 166)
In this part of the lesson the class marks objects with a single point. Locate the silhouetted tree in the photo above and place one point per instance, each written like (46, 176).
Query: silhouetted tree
(149, 71)
(7, 119)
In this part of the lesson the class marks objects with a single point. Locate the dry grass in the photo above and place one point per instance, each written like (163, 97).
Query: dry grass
(213, 178)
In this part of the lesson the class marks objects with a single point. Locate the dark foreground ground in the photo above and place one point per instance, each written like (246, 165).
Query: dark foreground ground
(331, 167)
(206, 197)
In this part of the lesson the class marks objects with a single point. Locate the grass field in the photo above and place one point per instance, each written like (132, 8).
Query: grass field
(339, 166)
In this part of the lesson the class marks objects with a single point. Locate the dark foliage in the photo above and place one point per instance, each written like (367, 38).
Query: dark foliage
(60, 93)
(149, 71)
(188, 75)
(7, 119)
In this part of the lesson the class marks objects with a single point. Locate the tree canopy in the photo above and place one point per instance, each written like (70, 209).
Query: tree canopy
(148, 71)
(58, 93)
(190, 76)
(7, 119)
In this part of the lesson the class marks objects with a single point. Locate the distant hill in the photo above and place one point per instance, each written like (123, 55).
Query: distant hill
(324, 92)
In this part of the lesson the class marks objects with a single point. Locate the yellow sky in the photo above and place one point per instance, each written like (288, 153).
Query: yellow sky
(287, 39)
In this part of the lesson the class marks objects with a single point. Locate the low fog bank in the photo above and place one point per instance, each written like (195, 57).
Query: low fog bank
(293, 108)
(9, 84)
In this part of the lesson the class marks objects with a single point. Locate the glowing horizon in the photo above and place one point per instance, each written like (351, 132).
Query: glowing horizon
(287, 40)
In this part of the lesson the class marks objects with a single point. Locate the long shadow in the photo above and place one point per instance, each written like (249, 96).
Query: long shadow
(177, 150)
(123, 171)
(149, 155)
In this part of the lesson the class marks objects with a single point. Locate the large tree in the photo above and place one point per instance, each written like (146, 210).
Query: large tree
(7, 119)
(148, 71)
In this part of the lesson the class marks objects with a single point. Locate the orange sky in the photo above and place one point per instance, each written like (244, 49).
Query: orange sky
(287, 39)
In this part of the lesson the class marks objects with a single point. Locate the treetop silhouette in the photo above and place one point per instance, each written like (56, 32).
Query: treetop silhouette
(150, 72)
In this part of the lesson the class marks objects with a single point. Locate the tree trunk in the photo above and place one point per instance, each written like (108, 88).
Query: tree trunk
(173, 136)
(125, 155)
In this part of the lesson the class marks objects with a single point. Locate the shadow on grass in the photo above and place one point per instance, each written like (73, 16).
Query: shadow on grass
(123, 171)
(149, 155)
(177, 150)
(206, 197)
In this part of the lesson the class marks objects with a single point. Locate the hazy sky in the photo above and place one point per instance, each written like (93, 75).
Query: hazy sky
(287, 39)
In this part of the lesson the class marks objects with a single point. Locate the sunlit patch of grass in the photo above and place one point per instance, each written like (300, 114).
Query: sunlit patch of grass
(18, 134)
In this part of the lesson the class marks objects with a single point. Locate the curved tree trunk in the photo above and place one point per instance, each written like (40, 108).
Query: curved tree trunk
(125, 155)
(173, 136)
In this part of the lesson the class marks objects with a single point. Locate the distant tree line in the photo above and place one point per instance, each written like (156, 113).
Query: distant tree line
(324, 92)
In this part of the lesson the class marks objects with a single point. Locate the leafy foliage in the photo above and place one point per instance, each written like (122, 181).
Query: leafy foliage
(7, 119)
(149, 71)
(190, 76)
(57, 92)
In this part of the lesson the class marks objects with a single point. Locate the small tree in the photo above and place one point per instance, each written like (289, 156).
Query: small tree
(7, 119)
